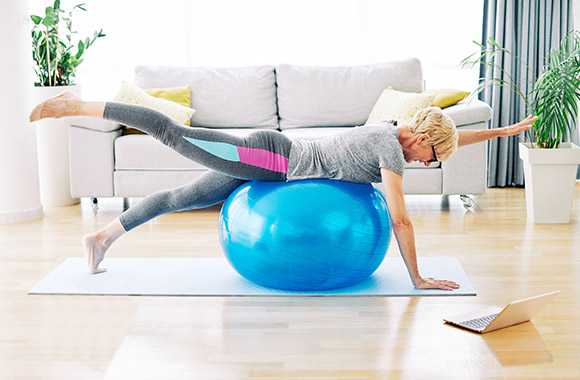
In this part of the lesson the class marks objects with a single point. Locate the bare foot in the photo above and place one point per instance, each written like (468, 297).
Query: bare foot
(61, 105)
(95, 252)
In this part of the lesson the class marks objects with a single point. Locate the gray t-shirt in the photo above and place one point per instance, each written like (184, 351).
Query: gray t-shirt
(355, 155)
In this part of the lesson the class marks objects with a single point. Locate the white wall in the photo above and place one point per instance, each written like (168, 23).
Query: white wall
(19, 189)
(253, 32)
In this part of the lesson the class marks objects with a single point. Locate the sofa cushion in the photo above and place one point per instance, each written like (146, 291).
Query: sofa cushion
(143, 152)
(222, 97)
(140, 183)
(131, 94)
(339, 96)
(398, 105)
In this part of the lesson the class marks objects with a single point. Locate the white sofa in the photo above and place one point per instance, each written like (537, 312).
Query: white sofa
(302, 102)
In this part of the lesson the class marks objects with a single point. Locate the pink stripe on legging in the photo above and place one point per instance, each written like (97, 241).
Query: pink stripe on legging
(263, 159)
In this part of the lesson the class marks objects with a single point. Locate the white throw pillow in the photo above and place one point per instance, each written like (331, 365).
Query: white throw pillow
(131, 94)
(399, 106)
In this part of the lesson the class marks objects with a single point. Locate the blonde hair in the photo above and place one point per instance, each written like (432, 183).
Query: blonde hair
(440, 128)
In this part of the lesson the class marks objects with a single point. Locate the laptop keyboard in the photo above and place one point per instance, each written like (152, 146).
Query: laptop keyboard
(479, 323)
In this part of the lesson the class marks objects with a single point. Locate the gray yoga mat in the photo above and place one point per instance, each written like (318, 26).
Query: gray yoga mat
(215, 277)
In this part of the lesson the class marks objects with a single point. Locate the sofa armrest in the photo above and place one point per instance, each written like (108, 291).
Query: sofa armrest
(93, 123)
(467, 112)
(92, 158)
(466, 171)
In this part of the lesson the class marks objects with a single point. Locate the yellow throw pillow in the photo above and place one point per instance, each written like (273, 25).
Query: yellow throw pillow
(445, 97)
(131, 94)
(400, 106)
(179, 95)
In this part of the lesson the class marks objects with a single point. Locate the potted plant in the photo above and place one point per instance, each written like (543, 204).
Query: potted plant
(550, 159)
(56, 56)
(55, 62)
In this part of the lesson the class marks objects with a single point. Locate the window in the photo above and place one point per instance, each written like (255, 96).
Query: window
(255, 32)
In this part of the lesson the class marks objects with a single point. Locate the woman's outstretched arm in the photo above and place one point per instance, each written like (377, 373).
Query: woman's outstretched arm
(467, 137)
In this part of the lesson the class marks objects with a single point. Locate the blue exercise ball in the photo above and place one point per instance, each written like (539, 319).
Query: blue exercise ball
(305, 235)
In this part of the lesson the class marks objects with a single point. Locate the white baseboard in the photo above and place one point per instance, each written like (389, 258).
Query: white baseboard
(21, 216)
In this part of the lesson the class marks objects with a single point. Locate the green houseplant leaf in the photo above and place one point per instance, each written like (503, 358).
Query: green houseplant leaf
(36, 19)
(555, 91)
(55, 63)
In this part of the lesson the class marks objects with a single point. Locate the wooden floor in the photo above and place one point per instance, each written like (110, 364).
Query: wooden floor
(505, 256)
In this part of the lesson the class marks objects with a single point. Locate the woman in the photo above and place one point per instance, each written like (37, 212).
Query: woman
(373, 153)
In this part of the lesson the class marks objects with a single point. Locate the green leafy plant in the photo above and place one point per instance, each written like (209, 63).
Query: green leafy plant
(53, 48)
(554, 93)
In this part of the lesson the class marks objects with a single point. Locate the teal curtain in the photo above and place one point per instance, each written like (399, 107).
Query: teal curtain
(529, 29)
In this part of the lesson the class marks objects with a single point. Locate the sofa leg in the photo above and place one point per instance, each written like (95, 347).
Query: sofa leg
(95, 206)
(126, 204)
(468, 202)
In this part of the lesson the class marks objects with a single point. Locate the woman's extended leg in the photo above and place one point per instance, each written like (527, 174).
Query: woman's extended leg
(211, 188)
(263, 155)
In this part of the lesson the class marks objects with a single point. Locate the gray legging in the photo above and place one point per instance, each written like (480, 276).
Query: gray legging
(232, 160)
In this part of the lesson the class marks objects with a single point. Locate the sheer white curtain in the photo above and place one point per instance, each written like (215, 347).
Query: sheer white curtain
(254, 32)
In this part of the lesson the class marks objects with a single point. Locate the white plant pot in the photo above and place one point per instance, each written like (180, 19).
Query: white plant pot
(550, 176)
(53, 152)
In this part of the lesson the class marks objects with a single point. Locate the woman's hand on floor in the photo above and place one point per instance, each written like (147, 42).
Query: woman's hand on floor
(431, 283)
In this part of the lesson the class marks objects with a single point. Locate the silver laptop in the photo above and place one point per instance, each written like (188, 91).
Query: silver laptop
(494, 318)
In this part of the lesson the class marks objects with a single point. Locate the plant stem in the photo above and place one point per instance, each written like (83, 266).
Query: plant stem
(47, 57)
(56, 57)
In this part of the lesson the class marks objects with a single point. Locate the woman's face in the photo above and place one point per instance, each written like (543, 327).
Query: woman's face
(421, 151)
